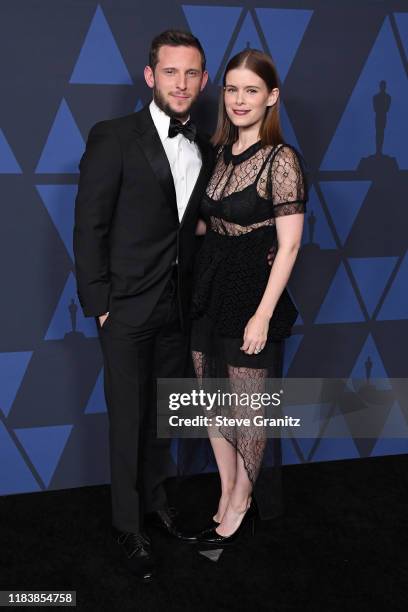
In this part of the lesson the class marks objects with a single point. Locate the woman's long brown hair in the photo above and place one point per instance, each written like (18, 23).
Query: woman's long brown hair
(261, 64)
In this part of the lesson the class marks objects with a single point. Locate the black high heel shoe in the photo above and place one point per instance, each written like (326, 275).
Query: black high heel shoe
(210, 535)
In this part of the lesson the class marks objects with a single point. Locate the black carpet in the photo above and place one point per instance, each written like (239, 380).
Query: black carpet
(342, 543)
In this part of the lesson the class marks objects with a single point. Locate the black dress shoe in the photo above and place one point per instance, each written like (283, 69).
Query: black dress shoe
(165, 521)
(138, 553)
(249, 517)
(210, 535)
(211, 525)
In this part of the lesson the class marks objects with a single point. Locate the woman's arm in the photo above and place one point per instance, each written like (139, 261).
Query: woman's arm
(289, 231)
(201, 228)
(289, 193)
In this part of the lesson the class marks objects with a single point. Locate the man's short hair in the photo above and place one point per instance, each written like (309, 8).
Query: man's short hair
(174, 38)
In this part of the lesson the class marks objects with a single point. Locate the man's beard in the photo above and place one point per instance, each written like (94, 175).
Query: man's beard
(166, 108)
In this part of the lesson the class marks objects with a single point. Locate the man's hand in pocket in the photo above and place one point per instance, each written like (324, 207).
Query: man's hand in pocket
(103, 318)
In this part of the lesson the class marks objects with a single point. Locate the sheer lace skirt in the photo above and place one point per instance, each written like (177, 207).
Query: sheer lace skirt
(247, 376)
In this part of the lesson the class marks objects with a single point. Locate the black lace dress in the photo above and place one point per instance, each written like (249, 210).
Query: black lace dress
(244, 196)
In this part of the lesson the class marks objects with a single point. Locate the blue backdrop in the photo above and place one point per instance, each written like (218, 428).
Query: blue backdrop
(67, 64)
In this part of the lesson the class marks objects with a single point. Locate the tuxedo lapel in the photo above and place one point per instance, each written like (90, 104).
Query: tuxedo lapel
(156, 156)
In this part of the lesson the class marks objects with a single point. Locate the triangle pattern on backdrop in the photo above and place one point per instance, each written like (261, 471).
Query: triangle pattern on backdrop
(369, 362)
(389, 443)
(287, 128)
(59, 200)
(44, 446)
(291, 347)
(383, 64)
(312, 420)
(289, 453)
(395, 306)
(15, 475)
(340, 304)
(100, 62)
(13, 367)
(64, 146)
(340, 446)
(344, 200)
(283, 30)
(96, 402)
(247, 37)
(214, 26)
(402, 24)
(299, 320)
(372, 274)
(8, 162)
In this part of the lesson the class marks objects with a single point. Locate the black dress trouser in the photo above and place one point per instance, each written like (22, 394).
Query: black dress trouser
(133, 358)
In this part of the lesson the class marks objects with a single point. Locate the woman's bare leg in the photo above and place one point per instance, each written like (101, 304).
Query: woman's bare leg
(239, 501)
(226, 458)
(250, 444)
(225, 454)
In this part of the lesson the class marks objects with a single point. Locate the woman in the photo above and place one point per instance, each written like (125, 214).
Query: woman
(253, 209)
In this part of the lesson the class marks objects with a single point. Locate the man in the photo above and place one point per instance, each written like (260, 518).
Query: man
(142, 177)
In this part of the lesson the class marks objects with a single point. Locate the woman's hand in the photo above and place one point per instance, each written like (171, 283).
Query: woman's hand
(255, 334)
(201, 228)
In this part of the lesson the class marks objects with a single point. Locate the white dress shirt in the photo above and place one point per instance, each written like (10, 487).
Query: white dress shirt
(184, 158)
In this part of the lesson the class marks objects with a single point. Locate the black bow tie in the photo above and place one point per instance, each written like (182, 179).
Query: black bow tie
(188, 129)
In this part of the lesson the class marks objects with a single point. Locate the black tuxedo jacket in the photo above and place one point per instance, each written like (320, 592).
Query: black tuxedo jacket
(127, 235)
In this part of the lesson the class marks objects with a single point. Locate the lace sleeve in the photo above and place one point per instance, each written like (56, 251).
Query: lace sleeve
(288, 182)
